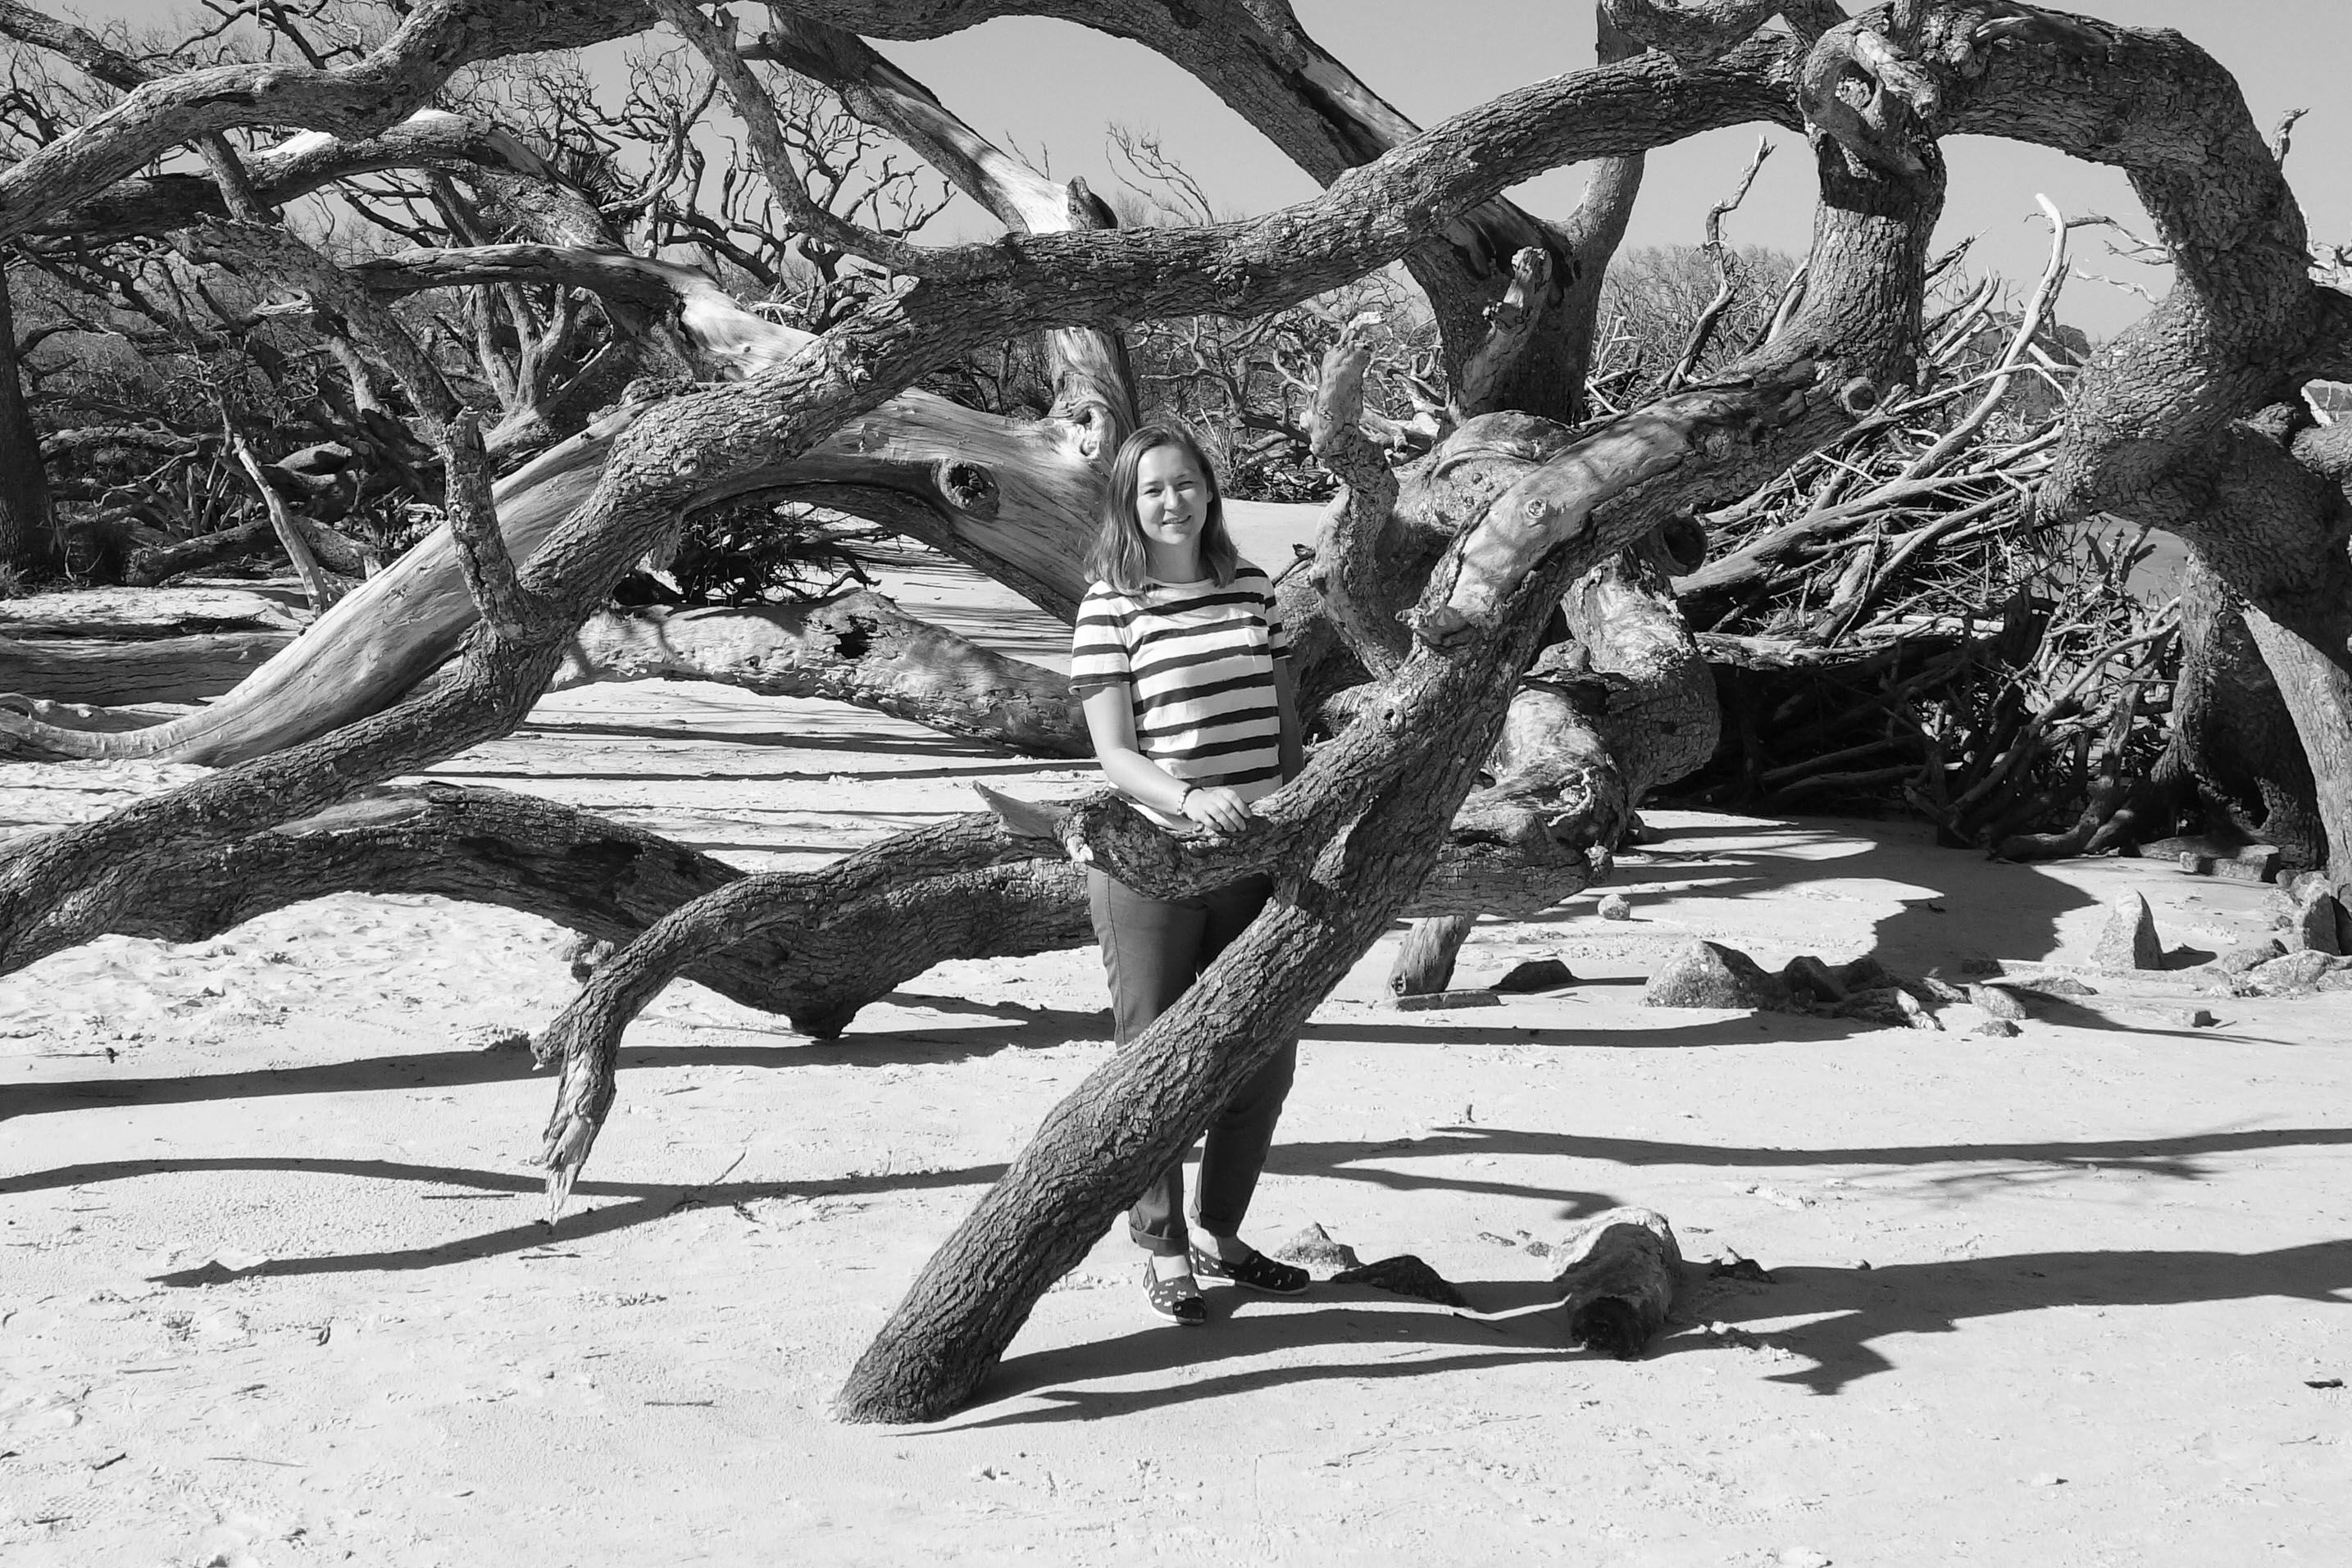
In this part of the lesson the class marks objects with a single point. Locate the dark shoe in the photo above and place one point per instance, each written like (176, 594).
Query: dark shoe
(1257, 1271)
(1178, 1300)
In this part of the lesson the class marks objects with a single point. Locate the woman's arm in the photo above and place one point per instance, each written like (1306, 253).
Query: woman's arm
(1110, 724)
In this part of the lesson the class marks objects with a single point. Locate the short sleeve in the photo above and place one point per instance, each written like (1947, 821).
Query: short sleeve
(1098, 644)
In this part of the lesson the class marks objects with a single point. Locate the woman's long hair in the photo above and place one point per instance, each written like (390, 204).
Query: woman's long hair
(1118, 557)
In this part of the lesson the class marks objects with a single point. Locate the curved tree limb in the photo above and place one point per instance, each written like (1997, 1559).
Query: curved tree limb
(429, 138)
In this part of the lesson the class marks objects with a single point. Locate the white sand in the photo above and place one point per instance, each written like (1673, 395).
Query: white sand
(272, 1290)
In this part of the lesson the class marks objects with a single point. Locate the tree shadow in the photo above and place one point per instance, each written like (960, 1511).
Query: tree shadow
(2009, 1166)
(1930, 927)
(1513, 1321)
(645, 1201)
(2174, 1158)
(1330, 1318)
(1855, 1309)
(1931, 930)
(774, 1048)
(1735, 1028)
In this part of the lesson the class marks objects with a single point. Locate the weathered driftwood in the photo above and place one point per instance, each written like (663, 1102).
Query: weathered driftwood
(332, 548)
(859, 648)
(150, 670)
(115, 613)
(1617, 1288)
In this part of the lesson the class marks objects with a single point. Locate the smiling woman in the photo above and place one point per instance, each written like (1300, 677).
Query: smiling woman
(1182, 661)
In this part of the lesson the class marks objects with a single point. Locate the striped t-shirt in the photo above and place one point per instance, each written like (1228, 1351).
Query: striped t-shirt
(1198, 663)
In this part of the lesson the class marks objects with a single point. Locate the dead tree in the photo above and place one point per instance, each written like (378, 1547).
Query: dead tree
(1482, 544)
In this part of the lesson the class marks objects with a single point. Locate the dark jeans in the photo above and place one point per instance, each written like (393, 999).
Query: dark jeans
(1153, 948)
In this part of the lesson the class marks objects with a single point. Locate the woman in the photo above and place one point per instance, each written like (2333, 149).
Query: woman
(1182, 667)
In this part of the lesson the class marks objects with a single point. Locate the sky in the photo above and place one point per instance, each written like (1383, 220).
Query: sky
(1052, 85)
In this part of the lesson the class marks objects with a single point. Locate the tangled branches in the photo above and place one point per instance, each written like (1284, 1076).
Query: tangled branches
(1896, 630)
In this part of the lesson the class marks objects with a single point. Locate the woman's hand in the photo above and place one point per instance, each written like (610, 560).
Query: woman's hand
(1216, 807)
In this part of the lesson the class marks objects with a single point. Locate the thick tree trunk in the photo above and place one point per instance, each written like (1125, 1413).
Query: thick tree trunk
(27, 536)
(2317, 689)
(2232, 736)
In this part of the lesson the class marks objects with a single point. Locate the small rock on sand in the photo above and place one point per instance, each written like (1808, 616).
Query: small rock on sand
(1710, 975)
(2058, 986)
(2313, 927)
(2246, 955)
(2293, 972)
(2129, 939)
(1999, 1028)
(1615, 907)
(1314, 1248)
(1537, 975)
(1997, 1001)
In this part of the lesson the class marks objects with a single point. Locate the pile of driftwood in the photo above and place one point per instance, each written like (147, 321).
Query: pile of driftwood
(1892, 631)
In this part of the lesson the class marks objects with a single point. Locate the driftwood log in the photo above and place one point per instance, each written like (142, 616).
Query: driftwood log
(1618, 1287)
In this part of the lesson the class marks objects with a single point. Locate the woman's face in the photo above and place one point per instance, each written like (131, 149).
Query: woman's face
(1172, 498)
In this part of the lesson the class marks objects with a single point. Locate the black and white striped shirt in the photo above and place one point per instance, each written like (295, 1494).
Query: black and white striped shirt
(1198, 663)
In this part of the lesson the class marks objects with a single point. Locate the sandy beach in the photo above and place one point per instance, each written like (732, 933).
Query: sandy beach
(274, 1289)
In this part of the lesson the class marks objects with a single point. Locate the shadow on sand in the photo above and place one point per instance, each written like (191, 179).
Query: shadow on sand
(1512, 1323)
